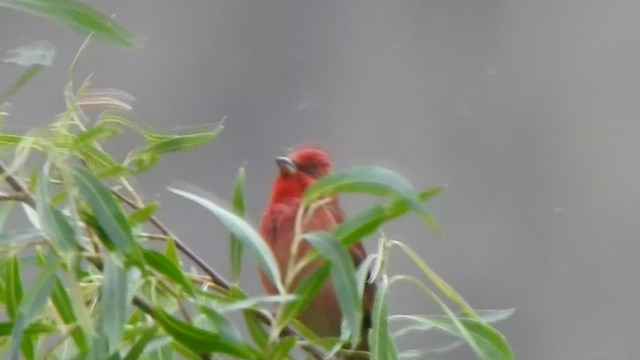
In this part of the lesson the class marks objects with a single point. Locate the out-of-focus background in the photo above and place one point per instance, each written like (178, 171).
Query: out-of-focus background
(529, 110)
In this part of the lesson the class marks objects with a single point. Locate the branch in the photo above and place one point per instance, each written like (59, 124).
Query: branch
(215, 277)
(18, 197)
(17, 186)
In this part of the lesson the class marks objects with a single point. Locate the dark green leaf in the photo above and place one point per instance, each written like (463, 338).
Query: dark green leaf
(14, 286)
(32, 329)
(33, 300)
(238, 207)
(77, 15)
(245, 233)
(259, 335)
(370, 180)
(137, 349)
(64, 307)
(343, 279)
(107, 211)
(166, 267)
(200, 340)
(354, 228)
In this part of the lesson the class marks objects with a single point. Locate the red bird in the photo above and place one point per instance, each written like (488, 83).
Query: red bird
(295, 173)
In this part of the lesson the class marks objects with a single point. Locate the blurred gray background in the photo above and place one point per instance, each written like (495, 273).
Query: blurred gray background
(529, 110)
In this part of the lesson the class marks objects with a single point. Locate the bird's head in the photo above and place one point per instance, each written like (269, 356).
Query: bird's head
(311, 161)
(290, 183)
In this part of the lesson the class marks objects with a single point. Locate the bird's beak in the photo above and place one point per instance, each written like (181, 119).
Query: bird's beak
(286, 165)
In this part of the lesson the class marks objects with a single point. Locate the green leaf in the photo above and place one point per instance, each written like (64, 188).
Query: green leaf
(138, 348)
(380, 341)
(343, 279)
(245, 233)
(108, 212)
(170, 251)
(24, 78)
(259, 335)
(355, 228)
(54, 223)
(14, 286)
(282, 348)
(422, 322)
(489, 342)
(180, 142)
(12, 237)
(38, 53)
(35, 328)
(370, 180)
(143, 214)
(100, 162)
(94, 133)
(114, 303)
(255, 301)
(62, 302)
(33, 300)
(304, 292)
(238, 207)
(221, 322)
(166, 267)
(486, 342)
(438, 281)
(200, 340)
(77, 15)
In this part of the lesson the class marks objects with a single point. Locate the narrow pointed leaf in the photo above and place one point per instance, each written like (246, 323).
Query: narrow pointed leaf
(200, 340)
(370, 180)
(343, 279)
(163, 265)
(238, 207)
(486, 342)
(108, 212)
(13, 287)
(54, 223)
(77, 15)
(380, 341)
(114, 304)
(143, 214)
(33, 300)
(63, 305)
(251, 240)
(137, 350)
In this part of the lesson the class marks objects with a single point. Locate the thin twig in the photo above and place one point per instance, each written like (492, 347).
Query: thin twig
(18, 197)
(17, 186)
(215, 277)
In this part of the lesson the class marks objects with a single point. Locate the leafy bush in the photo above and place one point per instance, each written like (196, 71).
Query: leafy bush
(100, 290)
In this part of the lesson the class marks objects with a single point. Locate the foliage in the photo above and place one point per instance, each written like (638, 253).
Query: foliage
(100, 290)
